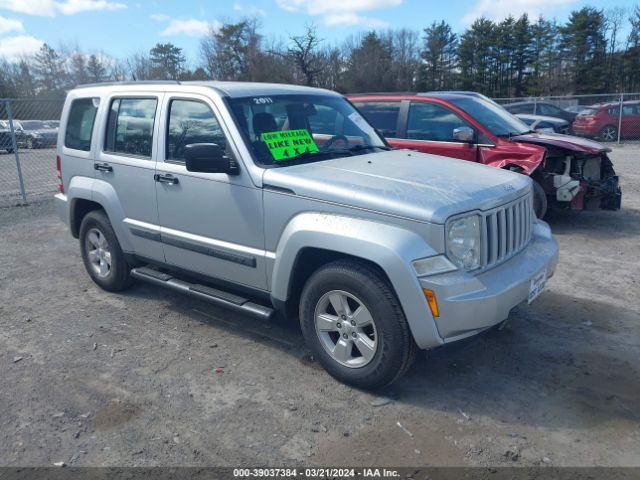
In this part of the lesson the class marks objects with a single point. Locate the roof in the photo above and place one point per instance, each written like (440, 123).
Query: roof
(444, 95)
(230, 89)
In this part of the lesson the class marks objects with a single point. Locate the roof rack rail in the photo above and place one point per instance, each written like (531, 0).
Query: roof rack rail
(130, 82)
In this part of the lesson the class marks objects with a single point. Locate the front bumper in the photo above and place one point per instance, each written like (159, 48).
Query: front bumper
(471, 303)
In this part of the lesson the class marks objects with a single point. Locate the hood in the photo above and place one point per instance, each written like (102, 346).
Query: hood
(569, 142)
(533, 118)
(413, 185)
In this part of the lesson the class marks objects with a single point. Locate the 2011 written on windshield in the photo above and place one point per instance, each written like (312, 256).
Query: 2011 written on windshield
(289, 143)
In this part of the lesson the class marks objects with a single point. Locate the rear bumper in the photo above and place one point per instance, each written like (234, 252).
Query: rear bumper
(583, 131)
(471, 303)
(62, 207)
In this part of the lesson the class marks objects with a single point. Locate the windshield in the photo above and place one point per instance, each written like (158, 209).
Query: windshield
(33, 125)
(289, 129)
(495, 118)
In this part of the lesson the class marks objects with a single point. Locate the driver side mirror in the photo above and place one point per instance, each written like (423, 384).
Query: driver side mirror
(209, 158)
(464, 134)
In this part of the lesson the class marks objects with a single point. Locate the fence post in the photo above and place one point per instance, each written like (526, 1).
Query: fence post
(620, 118)
(14, 145)
(535, 105)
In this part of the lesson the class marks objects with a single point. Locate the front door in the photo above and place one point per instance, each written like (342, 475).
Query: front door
(211, 223)
(429, 129)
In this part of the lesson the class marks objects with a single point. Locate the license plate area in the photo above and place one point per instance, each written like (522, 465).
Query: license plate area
(536, 285)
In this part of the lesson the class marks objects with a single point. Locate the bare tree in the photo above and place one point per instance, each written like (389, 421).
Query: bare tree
(304, 54)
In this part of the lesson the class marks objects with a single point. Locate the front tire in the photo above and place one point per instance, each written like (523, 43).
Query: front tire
(101, 253)
(540, 203)
(354, 325)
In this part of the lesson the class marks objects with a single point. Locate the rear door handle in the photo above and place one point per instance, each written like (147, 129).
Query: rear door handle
(103, 167)
(166, 178)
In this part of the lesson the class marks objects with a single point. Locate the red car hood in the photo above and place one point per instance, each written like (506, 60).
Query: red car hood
(569, 142)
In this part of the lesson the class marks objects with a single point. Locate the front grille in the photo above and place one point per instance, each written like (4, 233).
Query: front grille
(506, 231)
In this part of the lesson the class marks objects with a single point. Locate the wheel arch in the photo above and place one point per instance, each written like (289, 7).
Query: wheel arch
(311, 240)
(86, 194)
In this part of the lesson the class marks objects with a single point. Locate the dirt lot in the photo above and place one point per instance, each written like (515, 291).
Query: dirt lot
(92, 378)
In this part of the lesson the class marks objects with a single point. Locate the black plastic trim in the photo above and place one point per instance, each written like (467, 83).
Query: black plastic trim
(245, 260)
(155, 236)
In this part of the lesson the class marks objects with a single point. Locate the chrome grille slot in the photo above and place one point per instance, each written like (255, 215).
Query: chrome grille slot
(506, 231)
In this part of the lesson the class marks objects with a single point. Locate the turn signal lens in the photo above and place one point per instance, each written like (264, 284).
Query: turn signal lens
(431, 300)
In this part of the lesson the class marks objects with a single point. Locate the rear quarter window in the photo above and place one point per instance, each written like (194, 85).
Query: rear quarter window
(82, 116)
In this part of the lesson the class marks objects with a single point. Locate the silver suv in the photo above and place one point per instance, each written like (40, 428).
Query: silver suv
(265, 198)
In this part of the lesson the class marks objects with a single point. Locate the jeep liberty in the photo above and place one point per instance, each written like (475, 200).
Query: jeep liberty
(268, 198)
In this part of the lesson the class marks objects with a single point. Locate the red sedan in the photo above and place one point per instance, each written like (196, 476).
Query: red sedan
(603, 121)
(568, 171)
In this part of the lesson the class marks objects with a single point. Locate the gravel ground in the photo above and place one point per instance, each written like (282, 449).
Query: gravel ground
(152, 378)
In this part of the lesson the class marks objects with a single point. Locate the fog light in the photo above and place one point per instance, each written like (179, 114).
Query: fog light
(431, 300)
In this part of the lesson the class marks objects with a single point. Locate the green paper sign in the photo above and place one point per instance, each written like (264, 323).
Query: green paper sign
(289, 143)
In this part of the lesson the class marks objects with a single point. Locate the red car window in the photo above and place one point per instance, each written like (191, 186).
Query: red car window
(384, 115)
(428, 121)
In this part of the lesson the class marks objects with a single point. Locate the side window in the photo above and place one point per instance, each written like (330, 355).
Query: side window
(82, 116)
(428, 121)
(546, 109)
(191, 121)
(382, 115)
(629, 110)
(130, 126)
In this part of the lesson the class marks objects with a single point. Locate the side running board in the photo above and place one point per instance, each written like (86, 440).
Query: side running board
(208, 294)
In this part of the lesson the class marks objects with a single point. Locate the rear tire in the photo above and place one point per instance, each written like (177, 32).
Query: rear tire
(609, 134)
(101, 253)
(540, 203)
(364, 342)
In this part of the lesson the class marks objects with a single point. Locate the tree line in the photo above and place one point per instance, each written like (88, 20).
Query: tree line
(588, 54)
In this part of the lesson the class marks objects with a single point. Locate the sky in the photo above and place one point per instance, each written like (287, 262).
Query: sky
(120, 28)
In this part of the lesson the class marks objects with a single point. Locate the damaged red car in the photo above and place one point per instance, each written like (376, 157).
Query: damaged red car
(568, 172)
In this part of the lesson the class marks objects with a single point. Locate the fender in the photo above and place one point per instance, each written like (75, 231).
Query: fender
(526, 157)
(103, 193)
(390, 247)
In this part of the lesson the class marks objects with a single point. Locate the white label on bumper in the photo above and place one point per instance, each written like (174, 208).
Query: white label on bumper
(537, 285)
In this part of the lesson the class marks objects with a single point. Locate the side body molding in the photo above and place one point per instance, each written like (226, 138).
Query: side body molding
(390, 247)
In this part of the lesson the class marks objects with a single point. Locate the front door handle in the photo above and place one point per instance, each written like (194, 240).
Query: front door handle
(103, 167)
(166, 178)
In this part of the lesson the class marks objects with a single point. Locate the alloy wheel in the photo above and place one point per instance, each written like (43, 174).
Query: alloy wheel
(346, 329)
(98, 252)
(609, 134)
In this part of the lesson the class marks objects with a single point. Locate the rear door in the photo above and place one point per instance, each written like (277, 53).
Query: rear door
(126, 163)
(385, 115)
(631, 121)
(429, 128)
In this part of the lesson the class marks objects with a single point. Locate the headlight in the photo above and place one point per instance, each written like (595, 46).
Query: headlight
(463, 242)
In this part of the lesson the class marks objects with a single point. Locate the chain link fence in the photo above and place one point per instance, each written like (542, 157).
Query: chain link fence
(611, 117)
(29, 130)
(28, 136)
